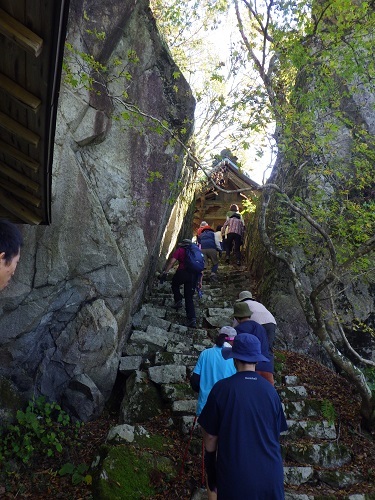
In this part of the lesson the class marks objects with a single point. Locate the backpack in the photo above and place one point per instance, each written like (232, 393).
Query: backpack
(207, 239)
(194, 258)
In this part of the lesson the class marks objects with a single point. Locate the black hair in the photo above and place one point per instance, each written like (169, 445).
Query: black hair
(220, 339)
(219, 228)
(10, 240)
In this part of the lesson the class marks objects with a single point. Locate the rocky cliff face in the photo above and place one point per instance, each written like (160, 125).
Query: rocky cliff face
(65, 319)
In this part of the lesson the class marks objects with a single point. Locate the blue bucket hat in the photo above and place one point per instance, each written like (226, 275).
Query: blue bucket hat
(246, 347)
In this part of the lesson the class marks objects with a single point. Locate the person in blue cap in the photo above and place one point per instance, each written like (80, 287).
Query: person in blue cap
(242, 421)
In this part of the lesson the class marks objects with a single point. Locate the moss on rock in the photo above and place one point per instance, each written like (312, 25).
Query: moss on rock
(133, 472)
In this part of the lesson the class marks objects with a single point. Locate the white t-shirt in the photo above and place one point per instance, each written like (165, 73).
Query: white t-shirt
(259, 313)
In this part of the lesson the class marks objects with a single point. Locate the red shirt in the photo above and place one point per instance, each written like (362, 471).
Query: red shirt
(179, 255)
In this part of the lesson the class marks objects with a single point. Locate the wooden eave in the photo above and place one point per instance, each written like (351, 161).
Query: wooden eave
(213, 204)
(237, 177)
(234, 179)
(32, 37)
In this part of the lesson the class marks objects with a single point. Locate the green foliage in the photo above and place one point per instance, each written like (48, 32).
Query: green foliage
(361, 327)
(99, 35)
(279, 362)
(175, 189)
(39, 429)
(369, 372)
(81, 69)
(319, 79)
(77, 473)
(154, 176)
(249, 206)
(328, 411)
(230, 104)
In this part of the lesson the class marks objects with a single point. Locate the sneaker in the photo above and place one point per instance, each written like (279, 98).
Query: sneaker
(192, 323)
(238, 263)
(227, 261)
(213, 277)
(177, 305)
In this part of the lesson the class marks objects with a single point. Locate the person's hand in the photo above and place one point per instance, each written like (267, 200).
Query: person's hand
(210, 466)
(162, 278)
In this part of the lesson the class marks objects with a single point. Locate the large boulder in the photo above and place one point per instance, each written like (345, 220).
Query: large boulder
(68, 313)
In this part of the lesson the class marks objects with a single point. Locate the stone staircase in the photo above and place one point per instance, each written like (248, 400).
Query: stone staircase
(163, 351)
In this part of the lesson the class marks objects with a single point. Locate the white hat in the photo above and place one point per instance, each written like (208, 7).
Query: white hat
(244, 295)
(229, 331)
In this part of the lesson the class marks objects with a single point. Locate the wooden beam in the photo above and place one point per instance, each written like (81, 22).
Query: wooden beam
(20, 193)
(18, 33)
(5, 214)
(18, 209)
(19, 93)
(20, 178)
(18, 130)
(18, 155)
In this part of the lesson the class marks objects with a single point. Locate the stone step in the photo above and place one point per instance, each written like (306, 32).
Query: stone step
(309, 428)
(177, 392)
(186, 426)
(302, 409)
(157, 301)
(167, 351)
(168, 358)
(187, 407)
(293, 393)
(296, 476)
(326, 455)
(167, 374)
(154, 321)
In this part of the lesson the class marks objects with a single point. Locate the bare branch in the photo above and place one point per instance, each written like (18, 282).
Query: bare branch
(260, 68)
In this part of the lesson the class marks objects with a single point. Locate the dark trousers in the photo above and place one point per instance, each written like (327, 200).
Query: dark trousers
(183, 277)
(271, 333)
(236, 239)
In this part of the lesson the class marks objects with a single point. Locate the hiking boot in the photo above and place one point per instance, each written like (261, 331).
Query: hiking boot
(238, 263)
(192, 323)
(227, 261)
(177, 305)
(213, 277)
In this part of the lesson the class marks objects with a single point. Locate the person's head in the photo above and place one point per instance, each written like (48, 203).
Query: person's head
(10, 246)
(185, 243)
(245, 351)
(241, 311)
(203, 223)
(234, 208)
(219, 228)
(245, 295)
(226, 334)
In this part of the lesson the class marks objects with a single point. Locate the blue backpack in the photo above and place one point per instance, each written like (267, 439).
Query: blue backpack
(194, 258)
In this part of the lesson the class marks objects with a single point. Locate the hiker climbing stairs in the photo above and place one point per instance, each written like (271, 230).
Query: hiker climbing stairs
(160, 356)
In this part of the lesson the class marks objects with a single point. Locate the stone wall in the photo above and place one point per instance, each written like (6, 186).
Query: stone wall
(66, 316)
